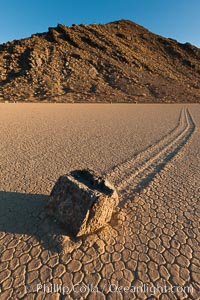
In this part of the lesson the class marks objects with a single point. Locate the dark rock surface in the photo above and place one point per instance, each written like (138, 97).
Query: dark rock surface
(116, 62)
(82, 201)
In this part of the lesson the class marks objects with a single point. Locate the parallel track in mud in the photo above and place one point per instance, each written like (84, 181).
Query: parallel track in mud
(139, 170)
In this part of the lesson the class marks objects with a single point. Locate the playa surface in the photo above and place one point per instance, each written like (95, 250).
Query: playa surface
(150, 152)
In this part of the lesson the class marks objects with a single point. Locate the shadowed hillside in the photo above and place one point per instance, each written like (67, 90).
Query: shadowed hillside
(116, 62)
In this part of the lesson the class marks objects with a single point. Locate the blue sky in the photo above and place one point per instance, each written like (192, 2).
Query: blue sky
(178, 19)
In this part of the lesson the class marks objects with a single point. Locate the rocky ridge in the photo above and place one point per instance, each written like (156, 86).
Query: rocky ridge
(116, 62)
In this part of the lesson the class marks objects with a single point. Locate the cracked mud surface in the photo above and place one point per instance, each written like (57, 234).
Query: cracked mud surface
(153, 240)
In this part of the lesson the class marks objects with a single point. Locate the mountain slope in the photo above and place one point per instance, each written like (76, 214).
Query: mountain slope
(116, 62)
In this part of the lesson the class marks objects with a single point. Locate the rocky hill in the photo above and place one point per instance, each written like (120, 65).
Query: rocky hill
(116, 62)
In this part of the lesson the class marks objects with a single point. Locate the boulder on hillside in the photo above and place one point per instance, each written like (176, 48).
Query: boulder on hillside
(82, 201)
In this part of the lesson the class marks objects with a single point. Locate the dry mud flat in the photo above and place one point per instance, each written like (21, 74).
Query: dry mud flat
(151, 248)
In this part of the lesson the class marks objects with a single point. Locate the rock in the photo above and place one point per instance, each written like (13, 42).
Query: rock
(82, 201)
(93, 72)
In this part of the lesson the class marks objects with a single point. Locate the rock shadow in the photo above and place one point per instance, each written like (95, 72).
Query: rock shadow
(25, 214)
